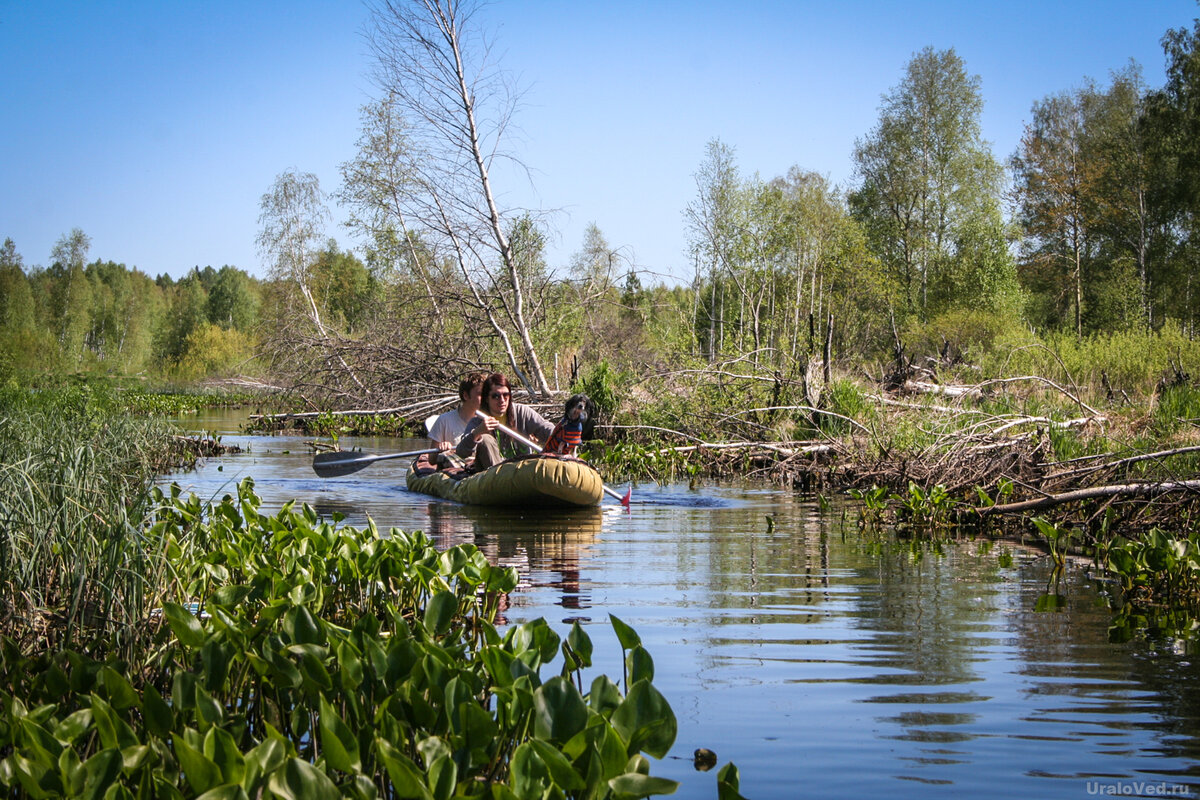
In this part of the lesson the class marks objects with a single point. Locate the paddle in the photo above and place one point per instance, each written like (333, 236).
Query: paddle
(610, 492)
(337, 464)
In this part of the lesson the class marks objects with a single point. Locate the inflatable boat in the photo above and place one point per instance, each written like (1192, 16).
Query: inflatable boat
(533, 481)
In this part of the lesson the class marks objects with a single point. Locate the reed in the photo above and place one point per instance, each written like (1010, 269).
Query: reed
(75, 566)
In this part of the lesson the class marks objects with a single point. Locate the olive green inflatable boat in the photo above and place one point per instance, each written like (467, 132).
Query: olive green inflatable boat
(535, 481)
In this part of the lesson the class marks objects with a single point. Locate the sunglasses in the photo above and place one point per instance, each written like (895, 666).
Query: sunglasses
(499, 395)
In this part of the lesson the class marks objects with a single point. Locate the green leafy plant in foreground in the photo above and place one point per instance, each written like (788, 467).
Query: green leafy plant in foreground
(303, 659)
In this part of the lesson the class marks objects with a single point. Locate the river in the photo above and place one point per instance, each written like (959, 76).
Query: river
(824, 661)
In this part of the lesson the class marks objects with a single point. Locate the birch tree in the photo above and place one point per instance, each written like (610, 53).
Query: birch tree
(292, 219)
(1052, 181)
(924, 171)
(433, 62)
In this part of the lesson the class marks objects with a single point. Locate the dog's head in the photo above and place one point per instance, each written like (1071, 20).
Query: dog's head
(581, 408)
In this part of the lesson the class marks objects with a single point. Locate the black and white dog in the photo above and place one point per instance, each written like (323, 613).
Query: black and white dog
(579, 419)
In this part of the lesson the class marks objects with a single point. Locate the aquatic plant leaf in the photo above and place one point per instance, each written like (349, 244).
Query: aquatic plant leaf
(74, 726)
(626, 635)
(114, 732)
(201, 773)
(338, 741)
(561, 772)
(728, 783)
(229, 596)
(302, 627)
(209, 710)
(559, 710)
(476, 725)
(528, 774)
(300, 780)
(443, 777)
(498, 663)
(261, 761)
(432, 748)
(39, 780)
(36, 741)
(100, 771)
(645, 720)
(226, 792)
(440, 611)
(640, 664)
(604, 696)
(407, 779)
(220, 747)
(159, 717)
(314, 671)
(581, 644)
(451, 561)
(350, 672)
(184, 625)
(120, 692)
(133, 758)
(214, 655)
(500, 579)
(1122, 563)
(634, 785)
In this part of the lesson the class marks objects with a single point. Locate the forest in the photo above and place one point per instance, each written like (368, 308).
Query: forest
(1088, 231)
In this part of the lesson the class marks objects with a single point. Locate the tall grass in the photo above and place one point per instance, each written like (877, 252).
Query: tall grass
(75, 564)
(1132, 361)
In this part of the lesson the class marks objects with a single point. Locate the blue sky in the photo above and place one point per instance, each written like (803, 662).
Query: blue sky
(157, 126)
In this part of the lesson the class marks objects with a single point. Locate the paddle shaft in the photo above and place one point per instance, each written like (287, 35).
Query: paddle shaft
(336, 464)
(610, 492)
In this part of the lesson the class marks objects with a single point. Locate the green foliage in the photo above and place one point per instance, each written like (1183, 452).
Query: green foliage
(975, 332)
(1058, 539)
(103, 317)
(1132, 361)
(1158, 568)
(600, 384)
(211, 350)
(1177, 406)
(845, 398)
(930, 194)
(301, 659)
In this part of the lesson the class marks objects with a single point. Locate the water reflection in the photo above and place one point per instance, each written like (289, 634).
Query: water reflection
(545, 547)
(813, 655)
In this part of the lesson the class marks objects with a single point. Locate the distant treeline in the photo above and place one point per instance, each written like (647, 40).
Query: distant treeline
(101, 316)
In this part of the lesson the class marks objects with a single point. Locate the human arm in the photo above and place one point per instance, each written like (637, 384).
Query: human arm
(475, 428)
(530, 423)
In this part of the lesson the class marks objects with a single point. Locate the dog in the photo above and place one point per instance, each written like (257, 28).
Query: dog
(578, 419)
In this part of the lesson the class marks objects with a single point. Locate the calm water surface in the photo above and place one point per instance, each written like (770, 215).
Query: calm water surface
(822, 661)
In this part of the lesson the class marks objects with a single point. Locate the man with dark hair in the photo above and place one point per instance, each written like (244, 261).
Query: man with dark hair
(449, 427)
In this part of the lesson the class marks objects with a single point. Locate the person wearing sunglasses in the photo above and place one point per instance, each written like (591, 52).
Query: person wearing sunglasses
(485, 441)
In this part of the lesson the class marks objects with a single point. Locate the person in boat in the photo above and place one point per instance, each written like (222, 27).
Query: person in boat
(448, 429)
(484, 440)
